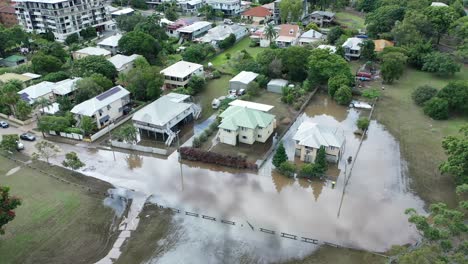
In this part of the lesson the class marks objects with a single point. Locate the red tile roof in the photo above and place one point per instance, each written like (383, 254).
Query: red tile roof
(287, 30)
(258, 11)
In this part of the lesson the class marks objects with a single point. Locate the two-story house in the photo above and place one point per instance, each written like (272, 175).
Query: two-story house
(310, 137)
(194, 31)
(322, 18)
(180, 73)
(228, 7)
(111, 43)
(104, 108)
(352, 48)
(288, 35)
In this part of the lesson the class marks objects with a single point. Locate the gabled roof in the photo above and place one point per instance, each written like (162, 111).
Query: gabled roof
(181, 69)
(287, 30)
(89, 107)
(194, 27)
(65, 87)
(252, 105)
(221, 32)
(278, 82)
(14, 58)
(331, 48)
(14, 76)
(238, 116)
(438, 4)
(112, 41)
(124, 11)
(35, 91)
(163, 110)
(312, 135)
(244, 77)
(258, 11)
(353, 43)
(312, 34)
(120, 60)
(94, 51)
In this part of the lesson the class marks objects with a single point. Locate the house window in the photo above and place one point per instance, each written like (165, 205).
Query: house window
(259, 136)
(332, 148)
(244, 137)
(227, 130)
(108, 107)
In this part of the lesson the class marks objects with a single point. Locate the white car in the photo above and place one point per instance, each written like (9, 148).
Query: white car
(19, 146)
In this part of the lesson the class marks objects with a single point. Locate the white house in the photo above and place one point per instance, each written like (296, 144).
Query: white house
(104, 108)
(163, 117)
(91, 51)
(310, 137)
(288, 35)
(309, 37)
(180, 73)
(190, 6)
(228, 7)
(123, 12)
(276, 85)
(65, 87)
(246, 123)
(221, 32)
(194, 31)
(33, 93)
(111, 43)
(242, 80)
(123, 63)
(352, 48)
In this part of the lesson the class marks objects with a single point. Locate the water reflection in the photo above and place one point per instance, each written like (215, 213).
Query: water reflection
(134, 161)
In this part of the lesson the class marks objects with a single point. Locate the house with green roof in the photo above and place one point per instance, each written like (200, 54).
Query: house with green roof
(13, 60)
(245, 125)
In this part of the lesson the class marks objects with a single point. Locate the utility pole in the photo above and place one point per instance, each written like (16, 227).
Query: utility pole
(110, 138)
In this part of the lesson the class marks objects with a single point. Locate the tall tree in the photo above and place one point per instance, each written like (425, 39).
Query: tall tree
(323, 65)
(137, 42)
(440, 63)
(290, 10)
(8, 204)
(321, 161)
(456, 93)
(9, 143)
(368, 50)
(383, 19)
(9, 94)
(294, 61)
(280, 155)
(440, 17)
(94, 64)
(393, 66)
(44, 64)
(456, 148)
(88, 125)
(270, 33)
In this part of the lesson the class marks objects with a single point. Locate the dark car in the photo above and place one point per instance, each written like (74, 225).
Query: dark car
(4, 124)
(28, 137)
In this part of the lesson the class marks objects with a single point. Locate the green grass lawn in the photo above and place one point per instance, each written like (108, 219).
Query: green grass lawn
(213, 89)
(56, 223)
(220, 61)
(349, 20)
(420, 137)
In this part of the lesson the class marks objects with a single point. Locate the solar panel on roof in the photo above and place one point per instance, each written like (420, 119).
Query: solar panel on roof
(25, 97)
(108, 93)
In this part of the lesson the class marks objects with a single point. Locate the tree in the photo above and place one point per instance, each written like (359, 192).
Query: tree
(140, 4)
(9, 94)
(71, 39)
(45, 150)
(198, 53)
(367, 5)
(393, 66)
(417, 52)
(8, 203)
(94, 64)
(137, 42)
(459, 28)
(456, 148)
(11, 38)
(197, 83)
(128, 23)
(368, 50)
(45, 124)
(86, 88)
(270, 33)
(456, 94)
(321, 163)
(152, 26)
(440, 17)
(437, 108)
(102, 81)
(287, 168)
(294, 60)
(9, 143)
(290, 10)
(42, 63)
(363, 123)
(48, 35)
(88, 125)
(275, 68)
(422, 94)
(54, 49)
(309, 170)
(335, 82)
(343, 95)
(312, 26)
(440, 63)
(253, 89)
(383, 19)
(334, 34)
(227, 42)
(23, 110)
(56, 76)
(72, 161)
(88, 33)
(280, 156)
(323, 65)
(171, 14)
(144, 82)
(127, 133)
(414, 28)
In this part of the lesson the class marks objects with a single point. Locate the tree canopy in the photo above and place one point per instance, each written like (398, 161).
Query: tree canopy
(94, 64)
(138, 42)
(323, 65)
(8, 204)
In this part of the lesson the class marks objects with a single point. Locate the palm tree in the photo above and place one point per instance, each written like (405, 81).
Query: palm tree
(270, 32)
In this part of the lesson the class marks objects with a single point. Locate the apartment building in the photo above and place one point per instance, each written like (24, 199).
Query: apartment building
(62, 17)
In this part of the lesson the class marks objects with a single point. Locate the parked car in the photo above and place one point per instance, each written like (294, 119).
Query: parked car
(228, 22)
(126, 109)
(215, 103)
(28, 137)
(4, 124)
(19, 146)
(241, 92)
(232, 96)
(233, 92)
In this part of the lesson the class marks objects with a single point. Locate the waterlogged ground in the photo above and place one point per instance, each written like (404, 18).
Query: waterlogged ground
(370, 214)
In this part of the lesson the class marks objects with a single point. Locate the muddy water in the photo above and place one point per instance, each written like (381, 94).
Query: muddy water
(369, 215)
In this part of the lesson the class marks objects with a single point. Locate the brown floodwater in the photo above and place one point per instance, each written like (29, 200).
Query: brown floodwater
(370, 214)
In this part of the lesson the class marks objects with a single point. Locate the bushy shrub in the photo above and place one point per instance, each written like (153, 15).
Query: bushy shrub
(363, 123)
(216, 75)
(194, 154)
(208, 131)
(287, 168)
(56, 76)
(423, 94)
(203, 137)
(309, 171)
(371, 93)
(437, 108)
(73, 130)
(196, 142)
(343, 95)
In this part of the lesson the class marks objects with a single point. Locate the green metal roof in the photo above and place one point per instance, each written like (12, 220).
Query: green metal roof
(238, 116)
(14, 58)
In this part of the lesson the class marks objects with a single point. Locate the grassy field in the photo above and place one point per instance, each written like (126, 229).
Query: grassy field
(213, 89)
(420, 137)
(350, 20)
(57, 222)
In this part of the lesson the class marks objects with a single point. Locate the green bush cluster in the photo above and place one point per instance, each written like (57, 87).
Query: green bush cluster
(203, 137)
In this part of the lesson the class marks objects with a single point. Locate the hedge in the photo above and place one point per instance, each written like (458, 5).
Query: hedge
(194, 154)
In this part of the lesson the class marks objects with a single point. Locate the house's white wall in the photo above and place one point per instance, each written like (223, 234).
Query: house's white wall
(247, 135)
(180, 82)
(333, 153)
(237, 86)
(48, 96)
(112, 49)
(228, 137)
(264, 43)
(114, 111)
(126, 67)
(264, 133)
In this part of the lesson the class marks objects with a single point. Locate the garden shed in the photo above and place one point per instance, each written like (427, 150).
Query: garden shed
(276, 85)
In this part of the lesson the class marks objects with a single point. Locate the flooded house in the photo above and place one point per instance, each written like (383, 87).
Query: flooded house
(311, 136)
(161, 119)
(246, 122)
(180, 73)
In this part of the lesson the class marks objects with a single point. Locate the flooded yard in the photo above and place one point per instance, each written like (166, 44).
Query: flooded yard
(370, 214)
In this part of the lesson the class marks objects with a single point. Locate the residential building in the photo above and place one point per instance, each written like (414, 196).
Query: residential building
(165, 116)
(288, 35)
(111, 43)
(180, 73)
(440, 4)
(171, 30)
(331, 48)
(190, 6)
(276, 85)
(276, 11)
(24, 78)
(245, 5)
(91, 51)
(257, 15)
(194, 31)
(242, 80)
(123, 63)
(104, 108)
(228, 7)
(221, 32)
(245, 125)
(65, 87)
(321, 18)
(8, 16)
(310, 137)
(13, 61)
(352, 48)
(310, 37)
(48, 90)
(123, 12)
(381, 44)
(62, 17)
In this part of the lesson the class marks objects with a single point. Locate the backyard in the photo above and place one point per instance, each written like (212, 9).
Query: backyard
(57, 222)
(350, 20)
